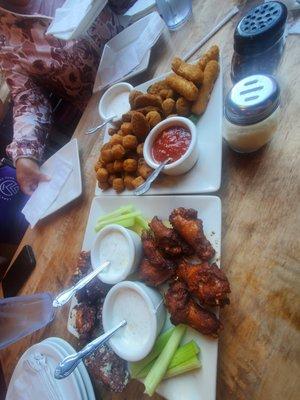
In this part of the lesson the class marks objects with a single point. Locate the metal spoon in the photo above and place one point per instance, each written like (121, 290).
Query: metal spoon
(67, 294)
(96, 128)
(68, 364)
(147, 184)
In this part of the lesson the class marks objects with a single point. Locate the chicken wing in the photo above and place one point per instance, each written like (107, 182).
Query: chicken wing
(185, 310)
(153, 275)
(153, 254)
(207, 282)
(186, 223)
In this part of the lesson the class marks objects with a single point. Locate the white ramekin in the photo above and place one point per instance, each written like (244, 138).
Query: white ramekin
(153, 300)
(187, 161)
(134, 249)
(104, 104)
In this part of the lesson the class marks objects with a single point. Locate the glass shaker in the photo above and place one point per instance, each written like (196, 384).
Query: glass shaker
(259, 41)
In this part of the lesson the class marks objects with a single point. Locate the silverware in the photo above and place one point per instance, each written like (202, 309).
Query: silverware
(67, 294)
(96, 128)
(68, 364)
(147, 184)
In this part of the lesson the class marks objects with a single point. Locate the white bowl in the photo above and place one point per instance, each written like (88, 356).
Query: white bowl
(109, 274)
(115, 101)
(135, 340)
(187, 160)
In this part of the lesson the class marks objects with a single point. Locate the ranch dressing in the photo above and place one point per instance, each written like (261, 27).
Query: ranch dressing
(119, 104)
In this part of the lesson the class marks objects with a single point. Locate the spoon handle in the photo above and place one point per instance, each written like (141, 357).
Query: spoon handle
(69, 363)
(67, 294)
(93, 130)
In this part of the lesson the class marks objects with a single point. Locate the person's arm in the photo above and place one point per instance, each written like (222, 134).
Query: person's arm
(32, 122)
(120, 6)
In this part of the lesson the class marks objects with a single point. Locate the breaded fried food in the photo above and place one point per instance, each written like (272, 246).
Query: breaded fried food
(138, 181)
(168, 106)
(118, 166)
(183, 106)
(107, 155)
(111, 178)
(191, 72)
(211, 54)
(127, 116)
(210, 75)
(182, 86)
(102, 175)
(140, 125)
(153, 275)
(156, 87)
(112, 131)
(153, 118)
(147, 99)
(130, 165)
(139, 149)
(166, 93)
(130, 142)
(132, 96)
(103, 185)
(99, 164)
(118, 185)
(128, 179)
(126, 128)
(118, 152)
(143, 168)
(146, 110)
(116, 139)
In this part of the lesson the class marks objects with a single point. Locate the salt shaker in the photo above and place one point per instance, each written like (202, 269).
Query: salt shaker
(251, 113)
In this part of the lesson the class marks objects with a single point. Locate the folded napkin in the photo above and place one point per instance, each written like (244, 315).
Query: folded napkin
(114, 64)
(137, 11)
(47, 192)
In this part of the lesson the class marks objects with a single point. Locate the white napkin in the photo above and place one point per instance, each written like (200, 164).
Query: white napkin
(47, 192)
(115, 65)
(137, 11)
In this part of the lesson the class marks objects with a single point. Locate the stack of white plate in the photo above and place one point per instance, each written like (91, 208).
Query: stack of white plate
(28, 384)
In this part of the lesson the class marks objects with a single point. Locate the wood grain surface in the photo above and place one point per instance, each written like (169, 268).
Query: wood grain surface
(259, 347)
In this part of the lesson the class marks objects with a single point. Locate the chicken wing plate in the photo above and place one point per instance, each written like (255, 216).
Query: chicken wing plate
(184, 310)
(190, 228)
(153, 254)
(153, 275)
(207, 282)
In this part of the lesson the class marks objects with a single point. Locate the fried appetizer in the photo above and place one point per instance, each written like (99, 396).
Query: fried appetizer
(138, 181)
(153, 275)
(118, 152)
(85, 316)
(139, 149)
(140, 125)
(146, 110)
(128, 181)
(166, 93)
(129, 142)
(168, 106)
(106, 155)
(211, 73)
(156, 87)
(99, 164)
(182, 86)
(152, 253)
(143, 168)
(110, 168)
(130, 165)
(116, 139)
(127, 116)
(211, 54)
(184, 310)
(132, 96)
(147, 99)
(168, 240)
(112, 131)
(153, 118)
(118, 166)
(126, 128)
(186, 223)
(183, 106)
(118, 185)
(191, 72)
(102, 175)
(111, 178)
(207, 282)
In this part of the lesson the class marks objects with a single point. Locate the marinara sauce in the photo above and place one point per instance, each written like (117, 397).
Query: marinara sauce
(172, 142)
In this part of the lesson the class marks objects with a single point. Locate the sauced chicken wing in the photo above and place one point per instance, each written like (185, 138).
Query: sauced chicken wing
(207, 282)
(152, 253)
(186, 223)
(154, 275)
(185, 310)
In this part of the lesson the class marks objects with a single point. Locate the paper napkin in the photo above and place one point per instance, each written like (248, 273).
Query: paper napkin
(47, 192)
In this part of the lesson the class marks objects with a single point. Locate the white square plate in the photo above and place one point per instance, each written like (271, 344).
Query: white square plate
(73, 185)
(199, 385)
(205, 176)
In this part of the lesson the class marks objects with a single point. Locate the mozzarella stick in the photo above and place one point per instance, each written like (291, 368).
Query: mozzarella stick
(210, 75)
(211, 54)
(182, 86)
(191, 72)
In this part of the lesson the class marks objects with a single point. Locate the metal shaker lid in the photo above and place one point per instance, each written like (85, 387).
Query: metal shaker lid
(252, 99)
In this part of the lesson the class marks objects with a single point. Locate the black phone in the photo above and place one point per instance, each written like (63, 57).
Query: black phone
(19, 272)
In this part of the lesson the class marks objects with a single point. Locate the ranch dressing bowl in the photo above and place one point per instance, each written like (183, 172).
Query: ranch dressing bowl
(121, 247)
(143, 310)
(187, 159)
(115, 101)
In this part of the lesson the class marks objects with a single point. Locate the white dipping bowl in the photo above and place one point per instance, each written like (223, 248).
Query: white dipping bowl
(116, 272)
(144, 312)
(187, 160)
(115, 101)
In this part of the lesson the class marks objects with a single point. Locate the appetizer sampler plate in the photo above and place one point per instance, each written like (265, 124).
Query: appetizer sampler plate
(73, 186)
(199, 385)
(205, 176)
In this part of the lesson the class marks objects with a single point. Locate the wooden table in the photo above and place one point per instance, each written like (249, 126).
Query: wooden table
(259, 347)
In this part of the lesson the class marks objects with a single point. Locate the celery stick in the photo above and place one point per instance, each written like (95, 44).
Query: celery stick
(187, 366)
(161, 341)
(162, 362)
(126, 223)
(116, 220)
(183, 354)
(142, 222)
(122, 210)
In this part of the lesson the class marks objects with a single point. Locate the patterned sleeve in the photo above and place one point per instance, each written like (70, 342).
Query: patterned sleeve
(31, 116)
(120, 6)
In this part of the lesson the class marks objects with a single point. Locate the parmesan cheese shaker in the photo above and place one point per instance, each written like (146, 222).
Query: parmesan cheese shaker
(251, 113)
